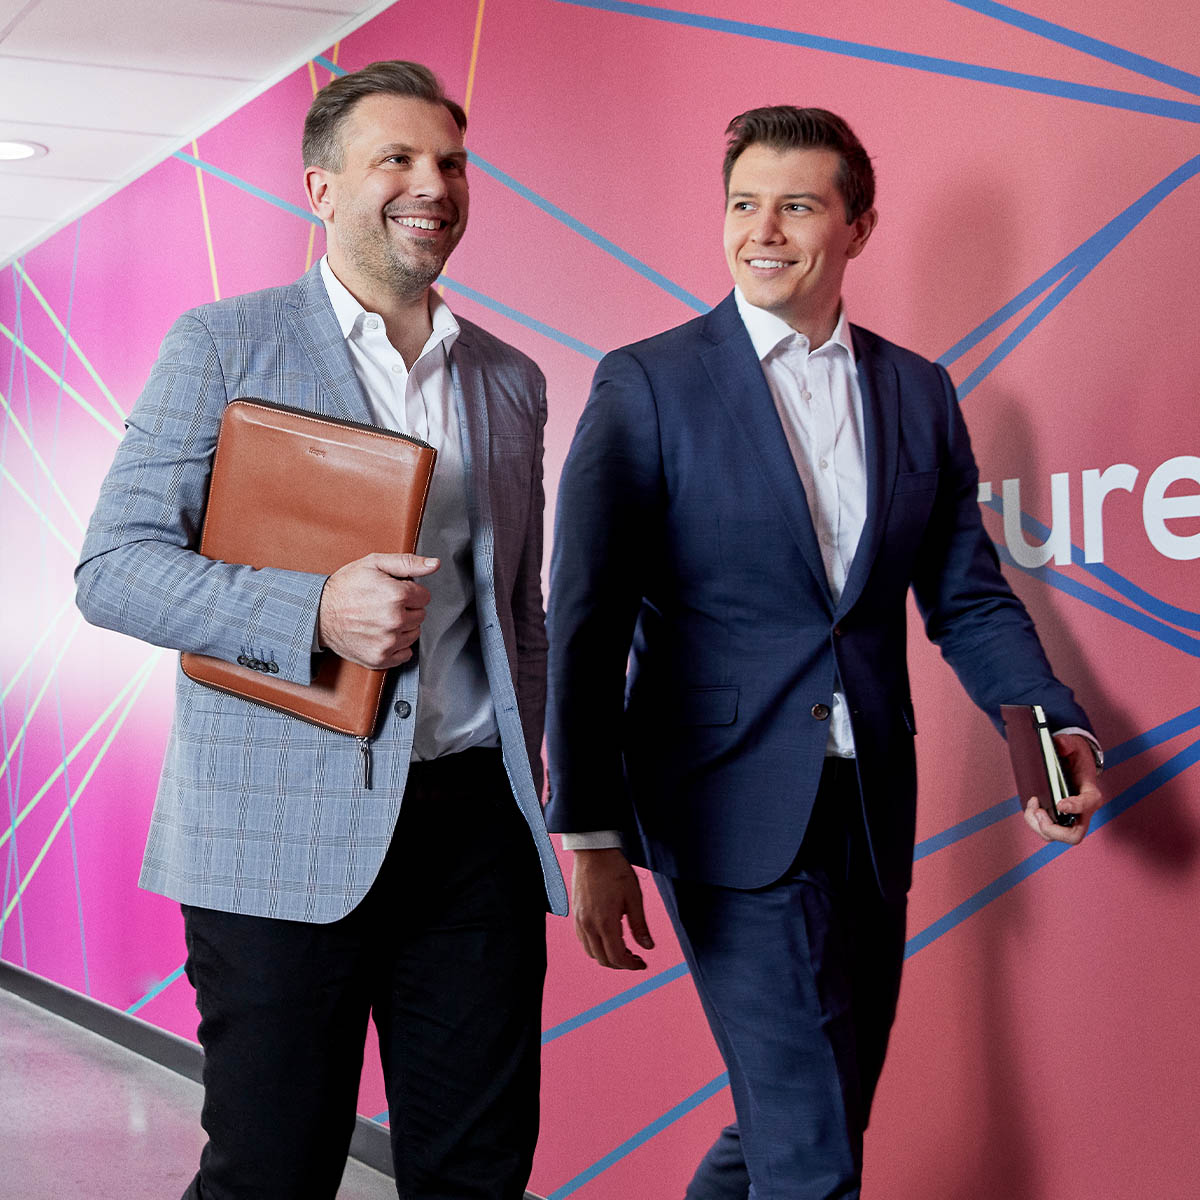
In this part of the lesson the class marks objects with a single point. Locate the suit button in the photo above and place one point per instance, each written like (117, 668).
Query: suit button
(403, 708)
(837, 631)
(273, 667)
(821, 712)
(243, 661)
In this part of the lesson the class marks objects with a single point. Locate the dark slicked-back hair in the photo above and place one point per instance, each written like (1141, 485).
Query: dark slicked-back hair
(332, 105)
(784, 127)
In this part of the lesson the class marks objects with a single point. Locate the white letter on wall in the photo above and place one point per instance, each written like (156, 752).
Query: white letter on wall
(1158, 507)
(1058, 543)
(1096, 486)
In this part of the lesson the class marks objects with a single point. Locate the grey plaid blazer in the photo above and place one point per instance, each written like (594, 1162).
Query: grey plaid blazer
(256, 811)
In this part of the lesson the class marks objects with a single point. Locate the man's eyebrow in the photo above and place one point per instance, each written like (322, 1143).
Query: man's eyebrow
(402, 148)
(821, 199)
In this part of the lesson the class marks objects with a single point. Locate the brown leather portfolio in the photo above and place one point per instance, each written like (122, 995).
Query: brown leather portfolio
(306, 493)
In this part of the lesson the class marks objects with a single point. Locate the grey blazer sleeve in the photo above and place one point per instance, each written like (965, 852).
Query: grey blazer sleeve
(528, 609)
(139, 572)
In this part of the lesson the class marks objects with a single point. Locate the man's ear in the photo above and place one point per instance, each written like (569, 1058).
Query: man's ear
(317, 186)
(862, 228)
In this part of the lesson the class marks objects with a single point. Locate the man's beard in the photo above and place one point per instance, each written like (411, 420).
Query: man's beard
(407, 276)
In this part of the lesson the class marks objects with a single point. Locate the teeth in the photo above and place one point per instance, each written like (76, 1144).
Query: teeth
(419, 222)
(769, 264)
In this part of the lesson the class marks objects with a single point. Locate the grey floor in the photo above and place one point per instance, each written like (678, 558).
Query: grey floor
(84, 1119)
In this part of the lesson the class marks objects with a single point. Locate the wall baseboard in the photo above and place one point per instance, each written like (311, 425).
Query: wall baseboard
(369, 1145)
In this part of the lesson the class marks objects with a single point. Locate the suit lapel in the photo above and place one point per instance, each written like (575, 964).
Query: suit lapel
(880, 390)
(741, 386)
(317, 330)
(471, 402)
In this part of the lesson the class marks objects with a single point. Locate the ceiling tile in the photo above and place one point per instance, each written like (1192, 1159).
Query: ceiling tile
(85, 153)
(108, 98)
(42, 199)
(205, 37)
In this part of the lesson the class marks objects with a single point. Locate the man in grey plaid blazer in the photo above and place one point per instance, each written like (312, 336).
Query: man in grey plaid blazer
(310, 898)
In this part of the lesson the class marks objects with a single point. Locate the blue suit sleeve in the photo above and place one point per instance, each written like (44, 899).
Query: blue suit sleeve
(606, 529)
(980, 626)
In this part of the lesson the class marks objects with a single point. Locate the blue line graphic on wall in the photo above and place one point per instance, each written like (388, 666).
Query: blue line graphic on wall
(642, 1137)
(1037, 84)
(1094, 47)
(1068, 273)
(565, 218)
(1163, 612)
(498, 306)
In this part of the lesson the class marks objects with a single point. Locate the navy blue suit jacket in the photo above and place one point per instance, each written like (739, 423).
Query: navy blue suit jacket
(694, 643)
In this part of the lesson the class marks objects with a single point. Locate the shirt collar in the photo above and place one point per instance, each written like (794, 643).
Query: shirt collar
(350, 313)
(767, 331)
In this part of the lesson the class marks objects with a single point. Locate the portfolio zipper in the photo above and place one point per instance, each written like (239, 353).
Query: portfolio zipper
(364, 751)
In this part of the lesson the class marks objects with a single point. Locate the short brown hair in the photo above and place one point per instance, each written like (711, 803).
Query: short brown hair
(784, 127)
(332, 105)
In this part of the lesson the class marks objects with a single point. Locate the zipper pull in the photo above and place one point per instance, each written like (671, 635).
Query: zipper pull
(364, 750)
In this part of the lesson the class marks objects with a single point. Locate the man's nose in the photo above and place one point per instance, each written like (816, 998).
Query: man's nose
(426, 180)
(767, 230)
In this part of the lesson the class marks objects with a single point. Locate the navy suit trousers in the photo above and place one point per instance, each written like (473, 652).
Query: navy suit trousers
(799, 981)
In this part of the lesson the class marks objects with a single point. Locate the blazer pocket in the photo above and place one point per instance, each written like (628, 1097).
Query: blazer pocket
(709, 706)
(915, 481)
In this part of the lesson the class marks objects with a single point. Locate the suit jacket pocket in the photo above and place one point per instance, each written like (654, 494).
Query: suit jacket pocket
(915, 481)
(709, 706)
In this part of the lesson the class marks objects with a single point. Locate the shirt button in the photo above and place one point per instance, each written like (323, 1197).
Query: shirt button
(806, 396)
(403, 708)
(824, 464)
(372, 322)
(821, 712)
(397, 369)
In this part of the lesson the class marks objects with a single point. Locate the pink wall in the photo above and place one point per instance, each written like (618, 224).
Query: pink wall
(1037, 186)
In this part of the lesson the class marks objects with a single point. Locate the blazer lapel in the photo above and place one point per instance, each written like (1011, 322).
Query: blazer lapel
(880, 390)
(317, 330)
(467, 379)
(741, 386)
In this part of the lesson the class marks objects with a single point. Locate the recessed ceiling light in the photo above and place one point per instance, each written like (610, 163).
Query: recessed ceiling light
(13, 151)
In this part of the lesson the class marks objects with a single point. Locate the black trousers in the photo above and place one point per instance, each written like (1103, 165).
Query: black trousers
(799, 981)
(446, 953)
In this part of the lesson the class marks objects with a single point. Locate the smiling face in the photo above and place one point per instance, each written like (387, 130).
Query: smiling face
(787, 241)
(398, 205)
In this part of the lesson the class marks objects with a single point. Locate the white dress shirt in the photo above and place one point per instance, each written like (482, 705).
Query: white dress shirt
(820, 407)
(454, 704)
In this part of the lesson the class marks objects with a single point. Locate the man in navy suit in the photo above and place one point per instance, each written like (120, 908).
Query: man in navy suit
(745, 506)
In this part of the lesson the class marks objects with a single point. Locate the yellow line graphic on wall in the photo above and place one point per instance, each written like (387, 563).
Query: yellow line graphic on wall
(212, 258)
(71, 342)
(41, 463)
(72, 550)
(70, 806)
(138, 680)
(474, 58)
(59, 380)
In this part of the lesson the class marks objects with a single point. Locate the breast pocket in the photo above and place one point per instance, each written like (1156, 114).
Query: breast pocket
(916, 481)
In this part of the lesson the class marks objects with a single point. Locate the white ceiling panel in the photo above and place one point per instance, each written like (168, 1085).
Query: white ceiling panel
(109, 98)
(31, 196)
(15, 230)
(84, 153)
(207, 37)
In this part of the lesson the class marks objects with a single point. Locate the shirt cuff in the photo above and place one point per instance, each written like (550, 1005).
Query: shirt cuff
(1097, 749)
(600, 839)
